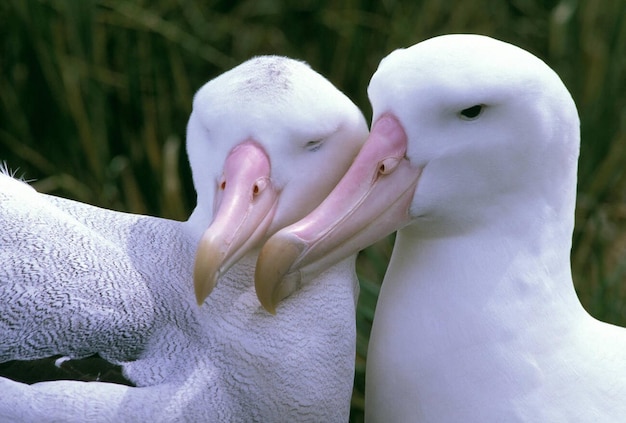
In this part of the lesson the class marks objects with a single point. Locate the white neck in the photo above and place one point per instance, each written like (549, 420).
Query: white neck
(461, 317)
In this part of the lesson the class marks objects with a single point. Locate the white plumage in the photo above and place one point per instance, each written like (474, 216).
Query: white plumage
(472, 156)
(266, 142)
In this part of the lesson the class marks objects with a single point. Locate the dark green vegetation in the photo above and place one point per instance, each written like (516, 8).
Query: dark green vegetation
(94, 98)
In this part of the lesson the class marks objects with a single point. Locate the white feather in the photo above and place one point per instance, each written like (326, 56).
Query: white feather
(77, 280)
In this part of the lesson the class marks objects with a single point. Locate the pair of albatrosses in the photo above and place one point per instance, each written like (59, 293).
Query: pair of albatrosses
(472, 157)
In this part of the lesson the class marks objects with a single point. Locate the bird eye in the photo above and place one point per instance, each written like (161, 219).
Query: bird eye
(313, 145)
(472, 113)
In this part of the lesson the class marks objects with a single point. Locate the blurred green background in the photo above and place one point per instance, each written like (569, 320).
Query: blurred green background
(94, 98)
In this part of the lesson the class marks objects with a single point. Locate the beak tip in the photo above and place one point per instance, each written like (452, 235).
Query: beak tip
(206, 270)
(270, 308)
(201, 292)
(203, 285)
(272, 271)
(270, 300)
(199, 300)
(266, 299)
(270, 295)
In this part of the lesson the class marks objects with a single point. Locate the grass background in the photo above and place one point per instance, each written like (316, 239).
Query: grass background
(95, 94)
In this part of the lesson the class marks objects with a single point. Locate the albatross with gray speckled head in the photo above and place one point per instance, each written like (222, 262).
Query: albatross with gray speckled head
(266, 141)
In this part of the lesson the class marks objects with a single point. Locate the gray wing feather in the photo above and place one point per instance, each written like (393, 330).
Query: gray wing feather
(66, 286)
(77, 280)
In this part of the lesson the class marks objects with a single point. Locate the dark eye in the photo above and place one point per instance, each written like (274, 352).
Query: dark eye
(314, 145)
(472, 112)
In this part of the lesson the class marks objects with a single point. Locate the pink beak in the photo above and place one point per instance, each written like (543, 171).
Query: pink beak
(245, 204)
(371, 201)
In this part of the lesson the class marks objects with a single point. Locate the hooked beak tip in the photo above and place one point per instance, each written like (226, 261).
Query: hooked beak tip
(207, 268)
(271, 309)
(272, 277)
(204, 281)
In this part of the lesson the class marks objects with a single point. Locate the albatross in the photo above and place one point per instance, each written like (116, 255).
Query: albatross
(472, 158)
(266, 141)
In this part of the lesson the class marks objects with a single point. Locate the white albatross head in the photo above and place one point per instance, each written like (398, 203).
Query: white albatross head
(267, 141)
(467, 132)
